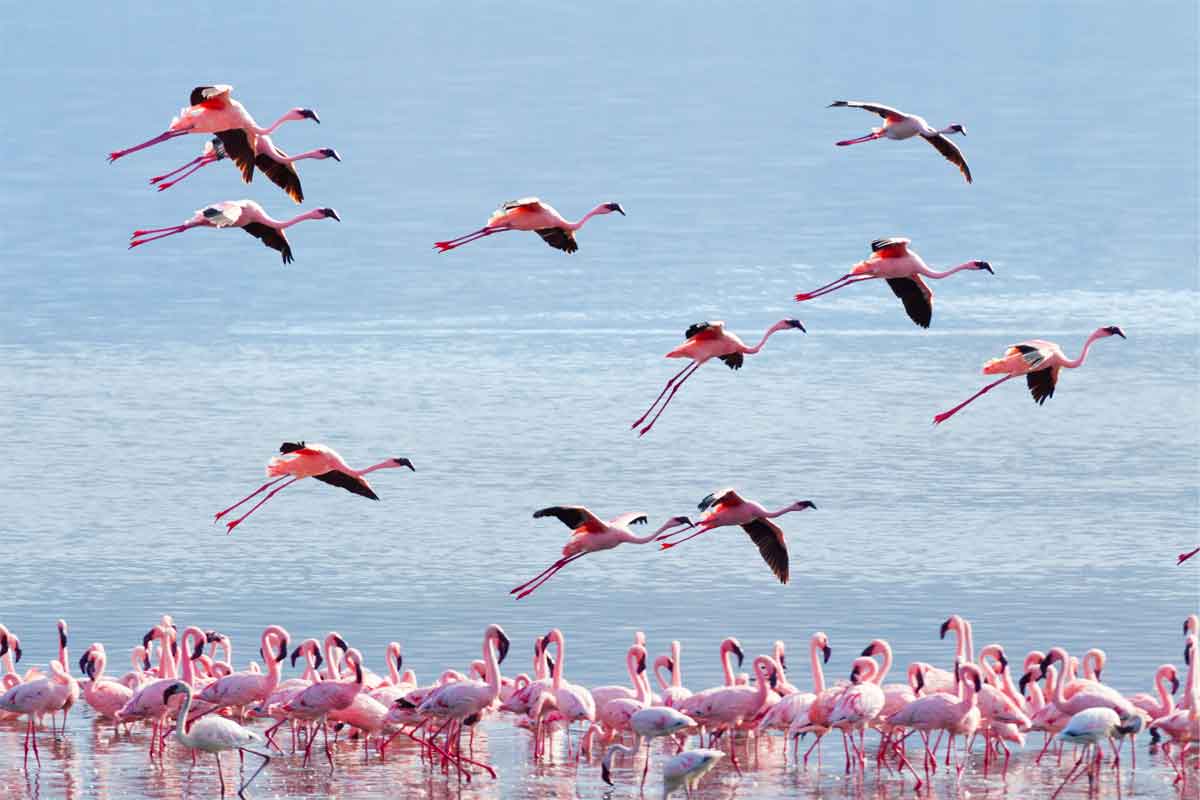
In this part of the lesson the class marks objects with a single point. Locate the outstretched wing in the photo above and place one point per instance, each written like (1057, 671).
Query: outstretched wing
(524, 202)
(733, 360)
(1031, 354)
(282, 174)
(917, 299)
(890, 246)
(212, 96)
(1041, 384)
(572, 516)
(725, 497)
(874, 108)
(772, 545)
(631, 518)
(272, 238)
(950, 150)
(706, 330)
(350, 483)
(559, 239)
(237, 147)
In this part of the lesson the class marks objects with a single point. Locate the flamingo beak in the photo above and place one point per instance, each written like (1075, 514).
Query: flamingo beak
(1174, 684)
(295, 655)
(502, 645)
(399, 662)
(868, 650)
(827, 652)
(282, 654)
(985, 266)
(338, 641)
(3, 645)
(737, 651)
(198, 650)
(1021, 684)
(945, 627)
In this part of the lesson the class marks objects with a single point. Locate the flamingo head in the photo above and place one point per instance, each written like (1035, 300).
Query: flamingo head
(794, 323)
(957, 128)
(85, 663)
(304, 113)
(1174, 681)
(404, 462)
(983, 265)
(822, 641)
(1112, 330)
(801, 505)
(329, 152)
(496, 634)
(968, 670)
(608, 208)
(735, 647)
(172, 690)
(329, 212)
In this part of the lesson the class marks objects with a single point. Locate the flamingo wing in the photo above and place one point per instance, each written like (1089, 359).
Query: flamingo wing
(272, 238)
(632, 518)
(237, 147)
(951, 152)
(222, 215)
(917, 299)
(890, 246)
(1041, 383)
(875, 108)
(282, 174)
(1032, 353)
(528, 203)
(732, 360)
(559, 239)
(572, 516)
(772, 545)
(351, 483)
(210, 96)
(704, 330)
(724, 497)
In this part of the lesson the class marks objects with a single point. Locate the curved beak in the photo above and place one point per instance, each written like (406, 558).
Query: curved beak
(502, 645)
(945, 627)
(827, 652)
(737, 651)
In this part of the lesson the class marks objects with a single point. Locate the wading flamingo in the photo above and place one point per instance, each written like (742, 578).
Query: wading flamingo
(212, 110)
(270, 160)
(859, 706)
(1039, 361)
(898, 125)
(105, 695)
(241, 689)
(687, 768)
(1090, 727)
(36, 698)
(903, 269)
(674, 692)
(214, 734)
(589, 534)
(245, 214)
(941, 712)
(312, 461)
(531, 214)
(647, 724)
(704, 341)
(574, 703)
(317, 701)
(726, 507)
(729, 707)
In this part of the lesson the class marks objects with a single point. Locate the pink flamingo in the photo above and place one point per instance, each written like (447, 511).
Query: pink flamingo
(1161, 703)
(241, 689)
(859, 706)
(105, 695)
(270, 160)
(731, 706)
(790, 708)
(614, 712)
(898, 126)
(245, 214)
(674, 692)
(727, 507)
(212, 110)
(1039, 361)
(1185, 556)
(317, 701)
(590, 534)
(573, 702)
(36, 698)
(1090, 727)
(312, 461)
(730, 647)
(902, 269)
(940, 711)
(1182, 726)
(705, 341)
(635, 664)
(647, 724)
(1089, 694)
(531, 214)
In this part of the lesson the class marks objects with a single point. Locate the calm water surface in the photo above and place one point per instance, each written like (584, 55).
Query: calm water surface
(145, 389)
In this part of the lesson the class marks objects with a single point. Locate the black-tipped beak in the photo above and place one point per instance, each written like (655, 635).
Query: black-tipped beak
(545, 641)
(945, 627)
(1187, 653)
(404, 462)
(978, 684)
(671, 666)
(83, 662)
(198, 650)
(331, 153)
(1021, 684)
(211, 636)
(854, 675)
(616, 207)
(146, 639)
(783, 662)
(502, 645)
(318, 661)
(3, 645)
(282, 654)
(146, 662)
(737, 651)
(295, 655)
(332, 213)
(1174, 684)
(641, 663)
(308, 113)
(340, 642)
(16, 648)
(62, 638)
(986, 266)
(774, 679)
(868, 650)
(795, 323)
(827, 652)
(920, 682)
(1003, 661)
(170, 692)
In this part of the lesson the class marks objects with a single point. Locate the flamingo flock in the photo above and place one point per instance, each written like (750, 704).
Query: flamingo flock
(186, 695)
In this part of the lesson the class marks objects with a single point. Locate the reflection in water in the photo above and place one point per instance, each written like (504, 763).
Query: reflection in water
(118, 767)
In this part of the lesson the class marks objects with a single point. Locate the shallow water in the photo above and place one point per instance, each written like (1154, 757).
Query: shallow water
(145, 389)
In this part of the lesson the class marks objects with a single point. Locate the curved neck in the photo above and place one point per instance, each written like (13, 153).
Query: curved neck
(491, 666)
(331, 658)
(100, 660)
(260, 131)
(393, 652)
(270, 640)
(778, 326)
(181, 732)
(932, 273)
(727, 663)
(818, 672)
(887, 660)
(556, 638)
(574, 226)
(676, 667)
(1166, 702)
(1078, 362)
(1059, 697)
(659, 663)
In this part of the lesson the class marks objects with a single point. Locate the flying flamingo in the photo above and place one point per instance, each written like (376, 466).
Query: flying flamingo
(270, 160)
(902, 268)
(898, 125)
(245, 214)
(531, 214)
(704, 341)
(589, 534)
(726, 507)
(212, 110)
(312, 461)
(1039, 361)
(213, 734)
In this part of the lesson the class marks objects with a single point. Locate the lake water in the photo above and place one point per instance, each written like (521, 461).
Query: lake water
(145, 389)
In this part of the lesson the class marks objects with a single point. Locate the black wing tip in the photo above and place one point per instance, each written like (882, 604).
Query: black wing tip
(696, 328)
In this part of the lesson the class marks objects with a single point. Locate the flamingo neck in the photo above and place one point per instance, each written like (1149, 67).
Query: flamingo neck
(932, 273)
(1078, 362)
(970, 642)
(727, 664)
(268, 131)
(100, 660)
(388, 464)
(491, 667)
(556, 638)
(778, 326)
(574, 226)
(393, 650)
(318, 153)
(659, 663)
(316, 213)
(629, 538)
(1166, 702)
(887, 661)
(181, 731)
(817, 671)
(268, 638)
(676, 668)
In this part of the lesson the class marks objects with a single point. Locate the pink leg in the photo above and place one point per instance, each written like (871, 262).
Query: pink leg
(667, 545)
(670, 397)
(231, 525)
(169, 184)
(328, 752)
(162, 137)
(670, 383)
(1185, 556)
(468, 238)
(1070, 774)
(945, 415)
(870, 137)
(840, 283)
(255, 493)
(555, 566)
(166, 175)
(550, 574)
(170, 232)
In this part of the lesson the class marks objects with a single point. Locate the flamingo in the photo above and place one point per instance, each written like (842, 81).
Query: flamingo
(1090, 727)
(647, 724)
(241, 689)
(215, 734)
(898, 125)
(726, 507)
(312, 461)
(784, 714)
(245, 214)
(729, 707)
(674, 692)
(1160, 704)
(270, 160)
(105, 695)
(941, 711)
(1185, 556)
(1084, 694)
(687, 768)
(1182, 726)
(859, 705)
(635, 665)
(573, 702)
(902, 269)
(613, 710)
(212, 110)
(531, 214)
(317, 701)
(589, 534)
(36, 698)
(704, 341)
(1039, 361)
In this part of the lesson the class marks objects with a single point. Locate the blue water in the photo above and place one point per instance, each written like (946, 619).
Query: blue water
(145, 389)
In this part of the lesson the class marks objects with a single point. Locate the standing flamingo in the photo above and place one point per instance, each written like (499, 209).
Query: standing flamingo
(1090, 727)
(589, 534)
(704, 341)
(245, 214)
(312, 461)
(859, 705)
(105, 695)
(784, 714)
(531, 214)
(318, 700)
(38, 697)
(213, 734)
(942, 712)
(270, 160)
(902, 268)
(573, 702)
(1039, 361)
(647, 724)
(726, 507)
(212, 110)
(898, 126)
(674, 692)
(241, 689)
(729, 707)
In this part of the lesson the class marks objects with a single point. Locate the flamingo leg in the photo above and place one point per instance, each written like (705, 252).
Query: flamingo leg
(667, 545)
(549, 574)
(670, 397)
(162, 137)
(840, 283)
(220, 772)
(266, 759)
(945, 415)
(166, 175)
(168, 184)
(670, 383)
(450, 244)
(1070, 774)
(328, 752)
(556, 565)
(170, 232)
(231, 525)
(255, 493)
(870, 137)
(1185, 556)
